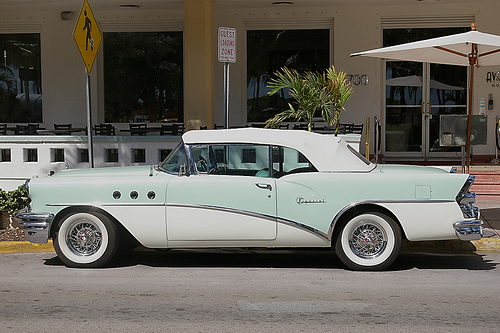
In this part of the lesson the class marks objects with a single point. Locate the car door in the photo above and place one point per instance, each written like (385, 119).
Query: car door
(230, 196)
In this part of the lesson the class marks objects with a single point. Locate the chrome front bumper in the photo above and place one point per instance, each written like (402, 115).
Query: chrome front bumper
(36, 225)
(469, 230)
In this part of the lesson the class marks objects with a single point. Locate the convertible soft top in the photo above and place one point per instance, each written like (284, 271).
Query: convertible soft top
(328, 153)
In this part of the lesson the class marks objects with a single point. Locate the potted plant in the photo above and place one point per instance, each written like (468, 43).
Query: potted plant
(10, 203)
(313, 92)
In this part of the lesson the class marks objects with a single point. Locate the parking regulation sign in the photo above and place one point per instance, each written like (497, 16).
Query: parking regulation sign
(227, 44)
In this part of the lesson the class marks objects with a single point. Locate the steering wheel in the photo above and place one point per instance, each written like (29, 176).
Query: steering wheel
(201, 165)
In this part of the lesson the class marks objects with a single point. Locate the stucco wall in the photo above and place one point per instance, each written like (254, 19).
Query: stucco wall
(355, 28)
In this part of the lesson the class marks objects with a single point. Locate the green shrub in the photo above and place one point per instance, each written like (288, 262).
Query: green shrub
(15, 200)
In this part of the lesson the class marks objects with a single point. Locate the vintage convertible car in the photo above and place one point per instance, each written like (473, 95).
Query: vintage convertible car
(252, 188)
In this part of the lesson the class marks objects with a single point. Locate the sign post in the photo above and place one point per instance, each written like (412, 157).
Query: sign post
(227, 54)
(88, 38)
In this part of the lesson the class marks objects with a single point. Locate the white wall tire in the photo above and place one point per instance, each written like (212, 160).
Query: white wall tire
(369, 241)
(85, 239)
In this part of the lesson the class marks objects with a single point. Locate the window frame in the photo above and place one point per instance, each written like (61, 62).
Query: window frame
(35, 100)
(210, 158)
(162, 24)
(284, 24)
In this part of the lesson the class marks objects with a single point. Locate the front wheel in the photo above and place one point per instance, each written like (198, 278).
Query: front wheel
(369, 241)
(86, 239)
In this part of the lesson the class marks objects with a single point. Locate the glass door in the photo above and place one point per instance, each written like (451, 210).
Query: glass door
(404, 107)
(447, 96)
(417, 94)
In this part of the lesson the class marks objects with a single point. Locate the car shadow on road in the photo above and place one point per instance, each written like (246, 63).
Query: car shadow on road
(286, 258)
(443, 260)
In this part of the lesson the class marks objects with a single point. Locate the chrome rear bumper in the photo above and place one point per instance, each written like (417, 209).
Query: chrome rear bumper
(469, 230)
(36, 225)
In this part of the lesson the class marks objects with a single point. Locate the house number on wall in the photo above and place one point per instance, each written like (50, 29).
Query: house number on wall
(358, 79)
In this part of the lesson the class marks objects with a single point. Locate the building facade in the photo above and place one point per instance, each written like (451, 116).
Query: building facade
(158, 62)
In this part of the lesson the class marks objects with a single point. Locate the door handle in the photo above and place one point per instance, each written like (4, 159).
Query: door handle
(264, 186)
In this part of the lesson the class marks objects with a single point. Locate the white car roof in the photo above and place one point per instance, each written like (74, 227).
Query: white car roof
(327, 153)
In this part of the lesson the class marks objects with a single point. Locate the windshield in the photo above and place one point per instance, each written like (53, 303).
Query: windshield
(174, 161)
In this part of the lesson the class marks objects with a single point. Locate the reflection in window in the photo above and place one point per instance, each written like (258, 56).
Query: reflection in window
(239, 160)
(290, 161)
(143, 77)
(270, 50)
(407, 84)
(20, 78)
(174, 162)
(200, 158)
(163, 153)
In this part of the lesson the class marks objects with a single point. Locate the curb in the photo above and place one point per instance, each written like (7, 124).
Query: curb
(491, 244)
(25, 247)
(487, 244)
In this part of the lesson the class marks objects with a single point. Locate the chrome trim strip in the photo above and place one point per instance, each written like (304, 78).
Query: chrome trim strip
(304, 227)
(95, 204)
(294, 224)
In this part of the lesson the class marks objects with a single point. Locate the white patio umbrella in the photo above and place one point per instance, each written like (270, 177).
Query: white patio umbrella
(471, 48)
(417, 81)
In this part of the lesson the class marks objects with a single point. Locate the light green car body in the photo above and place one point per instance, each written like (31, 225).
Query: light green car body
(189, 209)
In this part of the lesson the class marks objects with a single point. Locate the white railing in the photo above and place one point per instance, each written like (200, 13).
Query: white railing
(23, 156)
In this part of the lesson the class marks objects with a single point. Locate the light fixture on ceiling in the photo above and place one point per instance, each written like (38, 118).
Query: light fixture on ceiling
(66, 15)
(129, 6)
(282, 3)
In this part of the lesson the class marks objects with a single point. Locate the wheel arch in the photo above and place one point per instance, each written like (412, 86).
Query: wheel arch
(355, 209)
(87, 209)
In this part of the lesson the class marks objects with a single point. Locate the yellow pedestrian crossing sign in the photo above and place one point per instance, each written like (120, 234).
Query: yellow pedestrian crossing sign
(87, 35)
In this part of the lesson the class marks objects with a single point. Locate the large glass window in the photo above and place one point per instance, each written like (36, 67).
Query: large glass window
(418, 94)
(267, 52)
(20, 78)
(143, 77)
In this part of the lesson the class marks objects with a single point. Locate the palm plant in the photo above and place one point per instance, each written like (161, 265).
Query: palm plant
(313, 92)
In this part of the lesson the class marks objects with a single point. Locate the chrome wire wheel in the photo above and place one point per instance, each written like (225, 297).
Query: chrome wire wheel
(85, 239)
(369, 241)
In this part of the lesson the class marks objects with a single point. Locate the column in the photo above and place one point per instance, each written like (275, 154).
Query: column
(199, 57)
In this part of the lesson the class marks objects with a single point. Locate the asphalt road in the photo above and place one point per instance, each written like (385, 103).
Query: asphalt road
(250, 291)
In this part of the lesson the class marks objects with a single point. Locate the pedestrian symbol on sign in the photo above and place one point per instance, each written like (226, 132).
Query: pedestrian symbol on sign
(88, 27)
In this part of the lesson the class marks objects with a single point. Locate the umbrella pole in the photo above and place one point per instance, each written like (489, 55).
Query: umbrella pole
(469, 117)
(472, 62)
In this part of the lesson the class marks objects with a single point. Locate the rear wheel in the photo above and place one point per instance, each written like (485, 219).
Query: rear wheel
(369, 241)
(86, 239)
